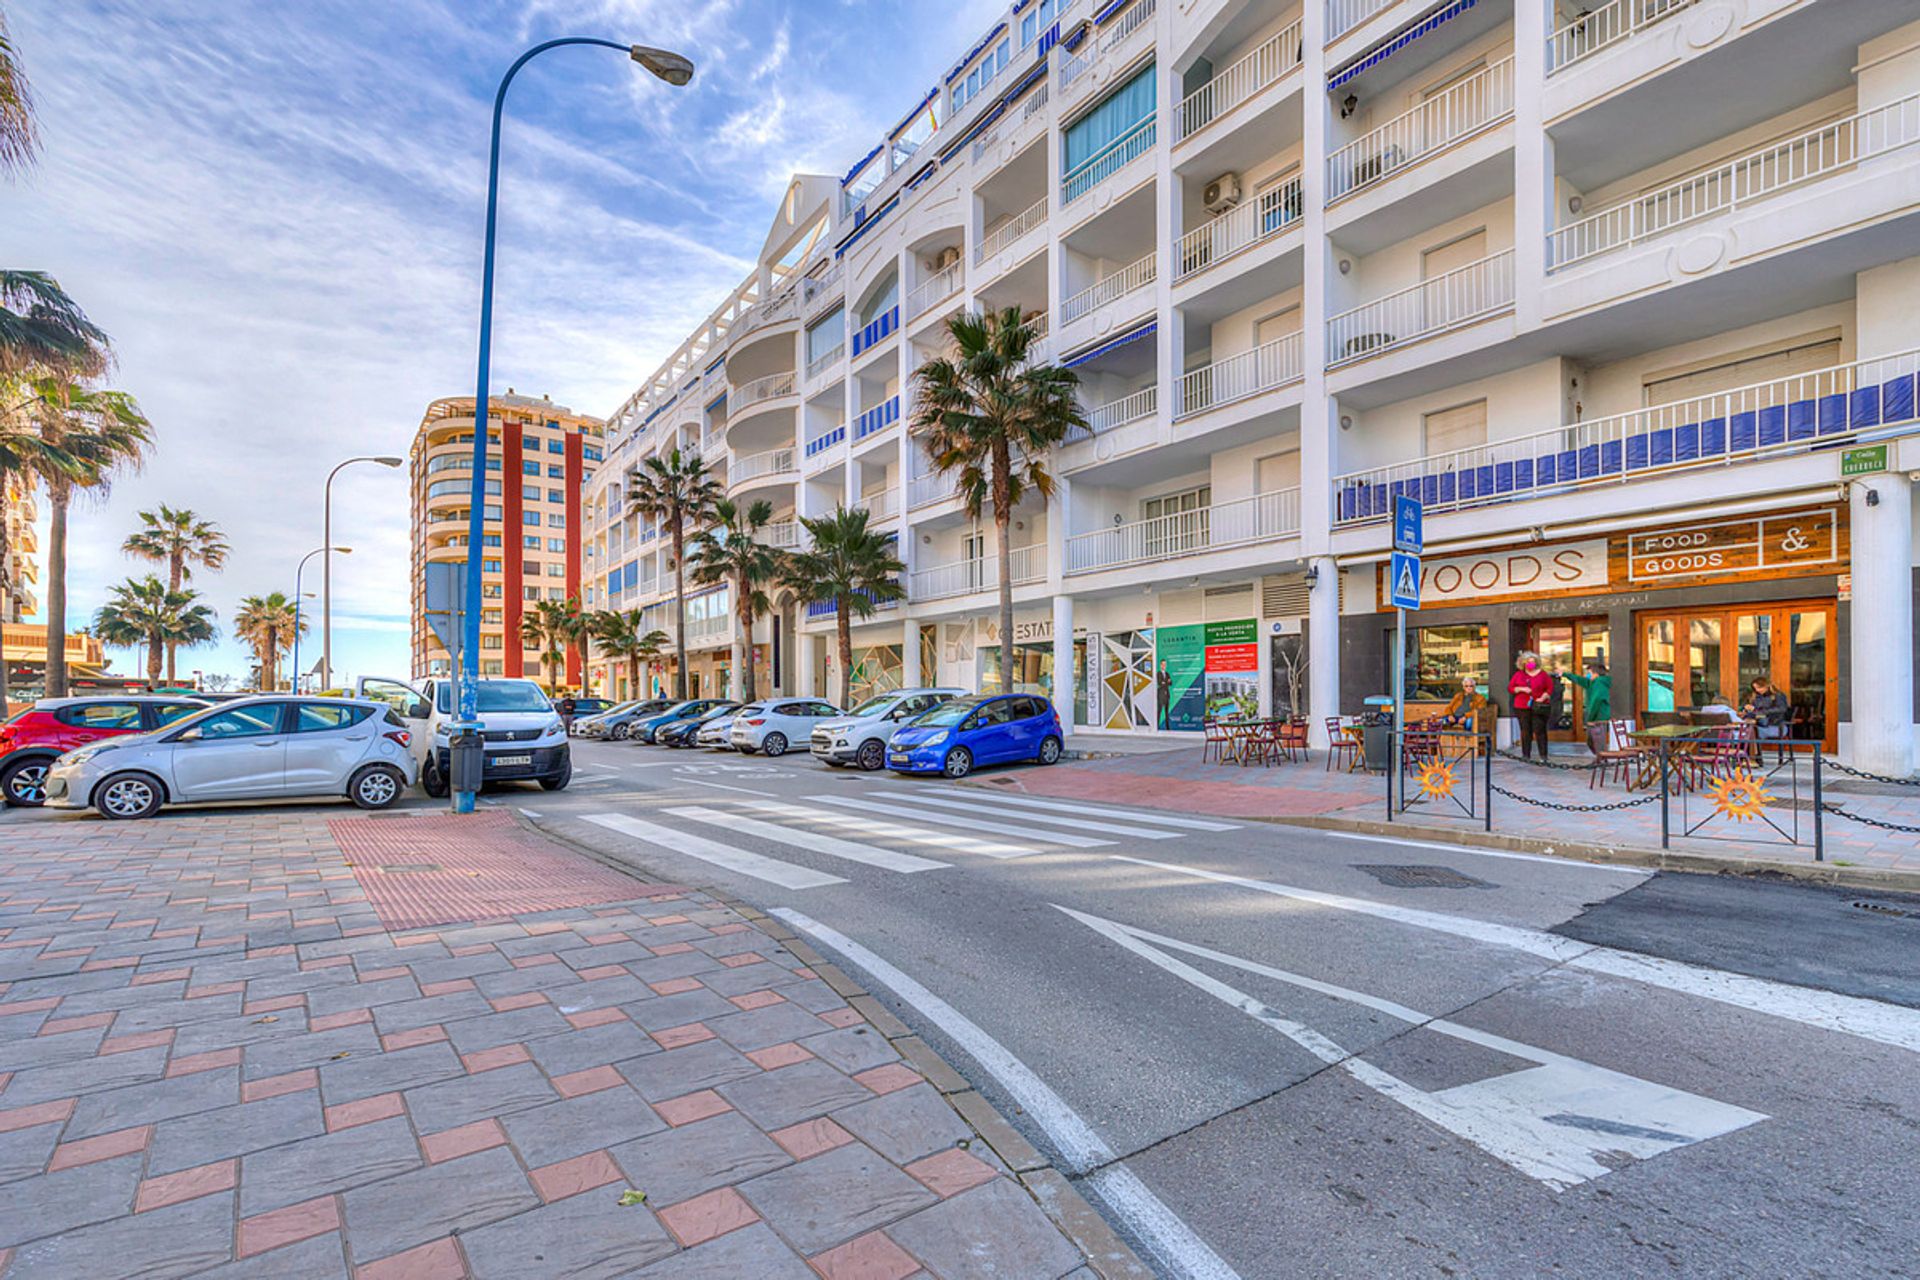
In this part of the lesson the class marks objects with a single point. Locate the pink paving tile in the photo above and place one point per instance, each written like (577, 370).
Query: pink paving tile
(30, 1006)
(450, 1144)
(416, 940)
(598, 972)
(345, 1018)
(138, 1040)
(274, 1086)
(707, 1216)
(592, 1080)
(950, 1172)
(811, 1137)
(104, 1147)
(66, 955)
(756, 999)
(54, 1026)
(215, 989)
(571, 1177)
(505, 1055)
(346, 1115)
(408, 1039)
(873, 1256)
(473, 949)
(39, 1113)
(659, 920)
(381, 975)
(742, 960)
(607, 939)
(595, 1017)
(189, 931)
(160, 975)
(188, 1184)
(805, 973)
(686, 1034)
(296, 1222)
(672, 949)
(773, 1057)
(534, 962)
(434, 1260)
(887, 1078)
(689, 1107)
(540, 927)
(325, 962)
(520, 1000)
(674, 986)
(842, 1018)
(210, 1061)
(257, 953)
(721, 930)
(446, 988)
(124, 962)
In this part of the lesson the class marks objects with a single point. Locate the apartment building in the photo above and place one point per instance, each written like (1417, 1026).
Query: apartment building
(22, 571)
(540, 459)
(1623, 290)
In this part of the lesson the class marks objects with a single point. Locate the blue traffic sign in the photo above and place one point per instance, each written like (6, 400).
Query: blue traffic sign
(1403, 580)
(1409, 535)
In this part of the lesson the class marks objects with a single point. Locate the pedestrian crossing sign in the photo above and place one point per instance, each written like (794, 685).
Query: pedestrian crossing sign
(1403, 581)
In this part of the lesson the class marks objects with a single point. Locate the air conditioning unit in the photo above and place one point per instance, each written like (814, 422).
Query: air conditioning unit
(949, 257)
(1222, 193)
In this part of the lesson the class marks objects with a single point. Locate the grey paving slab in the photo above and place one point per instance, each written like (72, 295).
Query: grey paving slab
(452, 966)
(684, 1162)
(812, 995)
(539, 977)
(247, 1029)
(21, 1026)
(685, 964)
(905, 1125)
(662, 1012)
(363, 1076)
(852, 1049)
(606, 953)
(751, 977)
(44, 1051)
(299, 982)
(117, 998)
(834, 1197)
(776, 1099)
(574, 1126)
(24, 1152)
(320, 1258)
(72, 1198)
(315, 1049)
(284, 1175)
(775, 1024)
(176, 1012)
(472, 1034)
(753, 1251)
(237, 1130)
(584, 1237)
(993, 1232)
(600, 993)
(408, 1015)
(704, 1065)
(593, 1047)
(154, 1101)
(436, 1201)
(540, 945)
(89, 1075)
(324, 1002)
(179, 1240)
(491, 1093)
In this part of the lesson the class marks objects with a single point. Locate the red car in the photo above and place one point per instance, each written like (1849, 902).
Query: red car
(32, 739)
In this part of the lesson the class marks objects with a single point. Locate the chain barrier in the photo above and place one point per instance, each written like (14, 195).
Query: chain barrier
(1575, 808)
(1865, 821)
(1828, 762)
(1505, 754)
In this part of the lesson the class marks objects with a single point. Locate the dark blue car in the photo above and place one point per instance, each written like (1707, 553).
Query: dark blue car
(956, 736)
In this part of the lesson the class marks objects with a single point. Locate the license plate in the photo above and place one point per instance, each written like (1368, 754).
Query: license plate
(899, 757)
(506, 760)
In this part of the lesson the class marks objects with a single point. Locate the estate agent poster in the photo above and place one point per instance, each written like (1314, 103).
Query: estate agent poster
(1181, 677)
(1232, 669)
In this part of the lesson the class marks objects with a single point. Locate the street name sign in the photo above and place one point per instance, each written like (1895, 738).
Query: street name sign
(1867, 460)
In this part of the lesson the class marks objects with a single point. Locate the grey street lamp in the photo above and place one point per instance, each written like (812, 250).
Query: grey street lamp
(298, 596)
(326, 564)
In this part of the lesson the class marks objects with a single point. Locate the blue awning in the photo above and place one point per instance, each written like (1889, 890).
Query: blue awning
(866, 224)
(1374, 57)
(1144, 331)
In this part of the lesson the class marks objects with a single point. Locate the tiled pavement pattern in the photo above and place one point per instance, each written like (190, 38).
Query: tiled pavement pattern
(214, 1060)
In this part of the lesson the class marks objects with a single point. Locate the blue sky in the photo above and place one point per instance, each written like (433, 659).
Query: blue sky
(275, 210)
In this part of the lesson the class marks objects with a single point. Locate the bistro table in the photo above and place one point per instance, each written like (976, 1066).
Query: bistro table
(1681, 739)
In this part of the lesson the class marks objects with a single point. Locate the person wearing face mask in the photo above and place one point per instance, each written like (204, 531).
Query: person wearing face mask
(1532, 690)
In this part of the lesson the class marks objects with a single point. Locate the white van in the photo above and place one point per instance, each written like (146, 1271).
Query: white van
(525, 739)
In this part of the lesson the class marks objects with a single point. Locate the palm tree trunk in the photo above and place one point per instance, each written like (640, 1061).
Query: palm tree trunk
(843, 626)
(633, 676)
(153, 661)
(746, 651)
(1002, 517)
(680, 612)
(59, 496)
(6, 707)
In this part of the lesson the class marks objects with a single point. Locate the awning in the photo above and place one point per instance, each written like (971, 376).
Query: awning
(867, 224)
(1374, 57)
(1114, 344)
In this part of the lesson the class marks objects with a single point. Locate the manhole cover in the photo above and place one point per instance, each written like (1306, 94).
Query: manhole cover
(1422, 877)
(393, 867)
(1887, 909)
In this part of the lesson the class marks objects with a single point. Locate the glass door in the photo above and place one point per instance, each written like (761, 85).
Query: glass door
(1564, 649)
(1696, 659)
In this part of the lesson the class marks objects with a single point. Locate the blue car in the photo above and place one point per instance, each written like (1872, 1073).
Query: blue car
(956, 736)
(645, 729)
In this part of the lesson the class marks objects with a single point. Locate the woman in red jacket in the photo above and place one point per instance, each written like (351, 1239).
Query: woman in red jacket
(1532, 690)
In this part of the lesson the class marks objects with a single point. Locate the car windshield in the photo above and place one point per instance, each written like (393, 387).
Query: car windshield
(714, 713)
(949, 713)
(876, 706)
(501, 695)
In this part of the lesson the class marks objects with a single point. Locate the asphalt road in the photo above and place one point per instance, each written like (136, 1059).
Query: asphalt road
(1264, 1059)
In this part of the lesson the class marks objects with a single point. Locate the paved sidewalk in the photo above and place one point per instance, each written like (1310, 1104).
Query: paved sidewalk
(215, 1058)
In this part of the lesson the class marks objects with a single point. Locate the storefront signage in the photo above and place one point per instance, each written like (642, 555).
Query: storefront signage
(1233, 668)
(1563, 566)
(1180, 670)
(1867, 460)
(1733, 546)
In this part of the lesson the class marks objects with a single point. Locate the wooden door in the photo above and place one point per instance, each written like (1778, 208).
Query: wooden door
(1693, 658)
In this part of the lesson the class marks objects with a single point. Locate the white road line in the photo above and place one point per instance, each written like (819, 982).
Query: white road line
(729, 787)
(1493, 853)
(1057, 819)
(896, 831)
(832, 846)
(1171, 1241)
(1107, 811)
(968, 822)
(531, 813)
(1875, 1020)
(785, 874)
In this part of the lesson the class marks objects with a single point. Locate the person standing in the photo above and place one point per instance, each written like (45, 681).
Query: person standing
(1532, 690)
(566, 707)
(1597, 685)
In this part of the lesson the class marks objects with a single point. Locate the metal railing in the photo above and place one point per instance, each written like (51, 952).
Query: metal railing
(1004, 235)
(784, 534)
(1240, 228)
(770, 462)
(1608, 24)
(1186, 533)
(876, 329)
(1135, 275)
(826, 360)
(1115, 156)
(1271, 59)
(1344, 15)
(922, 490)
(1272, 364)
(934, 289)
(884, 504)
(783, 306)
(826, 439)
(1024, 565)
(1035, 103)
(878, 418)
(1118, 413)
(1450, 301)
(770, 387)
(1831, 148)
(1458, 111)
(827, 285)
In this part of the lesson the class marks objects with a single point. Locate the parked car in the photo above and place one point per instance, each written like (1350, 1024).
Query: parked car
(861, 738)
(594, 726)
(522, 735)
(717, 732)
(617, 724)
(38, 734)
(586, 709)
(956, 737)
(777, 724)
(683, 733)
(257, 748)
(644, 728)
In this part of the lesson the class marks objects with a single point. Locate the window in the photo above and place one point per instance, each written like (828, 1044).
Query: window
(319, 717)
(242, 722)
(556, 446)
(531, 593)
(591, 453)
(531, 542)
(531, 569)
(556, 570)
(827, 334)
(530, 468)
(1461, 427)
(489, 566)
(489, 617)
(168, 712)
(1439, 658)
(530, 517)
(460, 488)
(1093, 134)
(556, 520)
(490, 668)
(557, 545)
(1036, 21)
(490, 590)
(530, 443)
(556, 472)
(1671, 386)
(489, 539)
(556, 495)
(101, 715)
(556, 593)
(491, 642)
(1175, 503)
(489, 513)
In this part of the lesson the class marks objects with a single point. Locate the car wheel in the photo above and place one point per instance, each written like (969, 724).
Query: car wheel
(375, 787)
(872, 754)
(959, 763)
(1049, 750)
(619, 732)
(128, 795)
(25, 782)
(558, 781)
(432, 781)
(774, 744)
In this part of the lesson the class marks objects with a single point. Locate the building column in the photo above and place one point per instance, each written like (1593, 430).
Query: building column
(1880, 643)
(910, 677)
(1063, 661)
(738, 655)
(1323, 647)
(804, 658)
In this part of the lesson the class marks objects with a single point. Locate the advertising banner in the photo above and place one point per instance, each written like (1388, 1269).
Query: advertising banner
(1232, 669)
(1180, 677)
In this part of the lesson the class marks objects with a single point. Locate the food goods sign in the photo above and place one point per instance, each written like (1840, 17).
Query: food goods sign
(1733, 546)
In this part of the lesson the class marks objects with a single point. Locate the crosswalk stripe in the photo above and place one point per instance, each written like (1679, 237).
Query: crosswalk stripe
(832, 846)
(1057, 819)
(1107, 811)
(897, 831)
(969, 822)
(785, 874)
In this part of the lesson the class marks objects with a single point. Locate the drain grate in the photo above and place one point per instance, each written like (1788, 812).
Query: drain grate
(1887, 909)
(1421, 877)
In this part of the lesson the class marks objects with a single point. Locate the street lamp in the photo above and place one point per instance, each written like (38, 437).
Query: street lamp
(675, 70)
(326, 567)
(325, 679)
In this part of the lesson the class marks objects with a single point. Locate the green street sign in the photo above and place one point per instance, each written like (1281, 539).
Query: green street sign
(1864, 461)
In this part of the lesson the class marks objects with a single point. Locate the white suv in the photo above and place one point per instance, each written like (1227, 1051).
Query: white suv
(524, 738)
(776, 724)
(861, 737)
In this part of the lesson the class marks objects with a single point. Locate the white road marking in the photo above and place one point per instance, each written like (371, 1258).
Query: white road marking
(1850, 1015)
(968, 822)
(531, 813)
(1580, 863)
(896, 831)
(1171, 1241)
(785, 874)
(724, 786)
(1057, 819)
(832, 846)
(1559, 1122)
(1107, 811)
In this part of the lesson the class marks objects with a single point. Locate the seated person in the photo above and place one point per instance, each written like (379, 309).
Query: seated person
(1768, 710)
(1469, 709)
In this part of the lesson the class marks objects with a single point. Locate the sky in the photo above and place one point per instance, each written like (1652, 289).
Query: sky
(275, 209)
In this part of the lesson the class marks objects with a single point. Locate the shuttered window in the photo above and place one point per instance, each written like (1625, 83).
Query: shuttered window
(1800, 357)
(1461, 427)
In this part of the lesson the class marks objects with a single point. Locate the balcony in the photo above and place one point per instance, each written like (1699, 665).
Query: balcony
(1264, 368)
(1025, 565)
(1460, 111)
(876, 329)
(826, 440)
(760, 390)
(878, 418)
(1273, 58)
(1035, 103)
(1135, 275)
(1454, 300)
(1830, 149)
(1768, 419)
(1101, 46)
(784, 306)
(819, 609)
(928, 489)
(1607, 25)
(1008, 233)
(817, 291)
(758, 466)
(1112, 158)
(1344, 15)
(826, 360)
(1118, 413)
(933, 291)
(883, 505)
(1187, 533)
(783, 534)
(1239, 229)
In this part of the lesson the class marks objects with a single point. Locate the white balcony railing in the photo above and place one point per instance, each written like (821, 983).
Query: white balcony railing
(1118, 413)
(1344, 15)
(816, 290)
(882, 504)
(1135, 275)
(1265, 367)
(1004, 235)
(783, 306)
(784, 534)
(922, 490)
(826, 360)
(1187, 533)
(770, 462)
(771, 387)
(1456, 112)
(1608, 24)
(1097, 47)
(1115, 156)
(1241, 227)
(1271, 59)
(1035, 103)
(1450, 301)
(1024, 565)
(1831, 148)
(935, 289)
(1787, 415)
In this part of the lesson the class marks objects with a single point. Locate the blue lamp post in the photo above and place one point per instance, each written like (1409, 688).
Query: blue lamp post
(297, 597)
(675, 70)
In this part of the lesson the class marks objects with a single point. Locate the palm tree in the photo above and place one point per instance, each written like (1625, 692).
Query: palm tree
(44, 331)
(675, 492)
(179, 539)
(625, 636)
(850, 565)
(143, 611)
(267, 623)
(24, 454)
(729, 552)
(19, 137)
(100, 431)
(551, 626)
(990, 416)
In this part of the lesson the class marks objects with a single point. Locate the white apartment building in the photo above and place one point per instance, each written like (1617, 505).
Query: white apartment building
(1618, 288)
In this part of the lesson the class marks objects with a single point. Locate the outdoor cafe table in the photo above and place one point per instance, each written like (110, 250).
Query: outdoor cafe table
(1684, 740)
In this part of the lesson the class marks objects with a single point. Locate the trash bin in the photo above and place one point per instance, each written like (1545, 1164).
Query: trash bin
(1376, 731)
(466, 758)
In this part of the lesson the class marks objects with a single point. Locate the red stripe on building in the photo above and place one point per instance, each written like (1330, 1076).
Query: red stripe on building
(510, 553)
(576, 485)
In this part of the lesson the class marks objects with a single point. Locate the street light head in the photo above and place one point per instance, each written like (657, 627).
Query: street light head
(345, 551)
(674, 68)
(389, 462)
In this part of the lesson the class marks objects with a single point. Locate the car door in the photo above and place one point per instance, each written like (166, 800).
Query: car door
(1022, 739)
(993, 740)
(409, 703)
(86, 722)
(328, 741)
(233, 754)
(162, 714)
